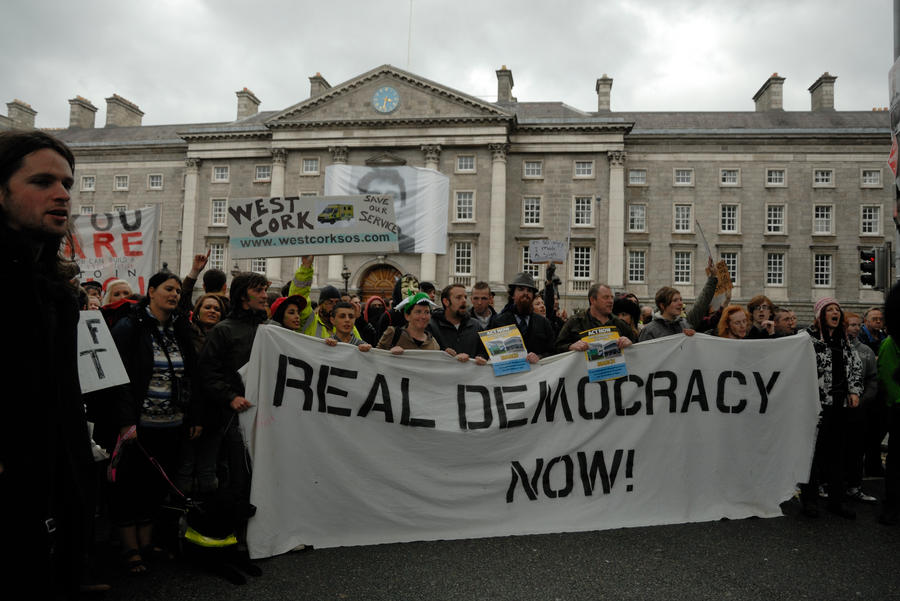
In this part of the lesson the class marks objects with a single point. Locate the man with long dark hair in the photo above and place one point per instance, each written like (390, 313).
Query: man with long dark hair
(44, 446)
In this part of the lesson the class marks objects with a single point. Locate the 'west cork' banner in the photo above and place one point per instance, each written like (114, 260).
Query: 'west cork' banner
(117, 246)
(355, 448)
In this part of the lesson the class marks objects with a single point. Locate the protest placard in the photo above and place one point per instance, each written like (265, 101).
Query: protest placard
(117, 246)
(604, 359)
(311, 225)
(99, 364)
(547, 251)
(506, 350)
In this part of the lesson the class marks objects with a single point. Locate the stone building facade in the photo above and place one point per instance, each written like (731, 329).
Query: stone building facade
(788, 198)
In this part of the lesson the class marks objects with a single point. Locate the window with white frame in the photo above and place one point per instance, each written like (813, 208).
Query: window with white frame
(684, 177)
(155, 181)
(120, 208)
(462, 258)
(532, 269)
(310, 166)
(870, 178)
(218, 211)
(870, 220)
(682, 264)
(220, 174)
(583, 211)
(120, 183)
(728, 219)
(682, 221)
(217, 256)
(88, 183)
(263, 173)
(258, 265)
(823, 178)
(637, 177)
(584, 168)
(533, 169)
(465, 206)
(531, 210)
(775, 223)
(465, 163)
(731, 262)
(775, 177)
(823, 222)
(637, 266)
(581, 262)
(729, 177)
(775, 269)
(822, 274)
(637, 218)
(87, 209)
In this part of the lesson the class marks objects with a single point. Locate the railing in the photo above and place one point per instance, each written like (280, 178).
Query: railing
(463, 280)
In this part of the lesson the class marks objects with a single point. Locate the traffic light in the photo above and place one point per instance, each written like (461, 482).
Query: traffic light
(867, 267)
(873, 268)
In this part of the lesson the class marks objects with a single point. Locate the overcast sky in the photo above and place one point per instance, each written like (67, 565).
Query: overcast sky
(182, 60)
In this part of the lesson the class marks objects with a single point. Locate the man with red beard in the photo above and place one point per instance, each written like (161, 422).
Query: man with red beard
(537, 333)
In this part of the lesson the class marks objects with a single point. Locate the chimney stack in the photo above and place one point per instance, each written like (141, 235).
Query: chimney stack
(822, 93)
(122, 113)
(318, 85)
(604, 91)
(247, 105)
(505, 85)
(770, 95)
(20, 114)
(81, 113)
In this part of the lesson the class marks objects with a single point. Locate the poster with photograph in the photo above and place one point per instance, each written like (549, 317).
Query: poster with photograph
(604, 359)
(506, 350)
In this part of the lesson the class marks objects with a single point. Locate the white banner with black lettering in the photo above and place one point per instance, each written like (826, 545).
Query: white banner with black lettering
(354, 448)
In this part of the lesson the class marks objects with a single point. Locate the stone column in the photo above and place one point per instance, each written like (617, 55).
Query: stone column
(615, 260)
(336, 262)
(189, 215)
(428, 266)
(276, 188)
(497, 237)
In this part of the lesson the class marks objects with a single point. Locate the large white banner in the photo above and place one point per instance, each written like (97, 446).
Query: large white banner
(354, 449)
(421, 198)
(117, 246)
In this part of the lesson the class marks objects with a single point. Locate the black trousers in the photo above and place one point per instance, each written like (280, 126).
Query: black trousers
(830, 456)
(892, 472)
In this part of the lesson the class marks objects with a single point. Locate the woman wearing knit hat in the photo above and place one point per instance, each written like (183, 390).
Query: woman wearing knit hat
(839, 371)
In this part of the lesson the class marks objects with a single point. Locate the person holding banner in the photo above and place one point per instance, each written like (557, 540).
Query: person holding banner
(286, 311)
(537, 333)
(840, 384)
(455, 332)
(315, 323)
(598, 315)
(45, 453)
(343, 317)
(734, 322)
(153, 412)
(417, 310)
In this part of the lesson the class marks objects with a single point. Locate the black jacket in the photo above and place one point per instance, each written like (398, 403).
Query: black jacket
(464, 339)
(227, 349)
(134, 339)
(538, 336)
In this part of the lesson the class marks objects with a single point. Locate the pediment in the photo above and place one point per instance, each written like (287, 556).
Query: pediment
(419, 100)
(385, 159)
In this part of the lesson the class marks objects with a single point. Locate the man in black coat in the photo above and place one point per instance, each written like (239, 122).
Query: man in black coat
(453, 329)
(537, 333)
(45, 456)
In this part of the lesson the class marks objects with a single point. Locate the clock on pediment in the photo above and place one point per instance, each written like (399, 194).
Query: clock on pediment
(385, 99)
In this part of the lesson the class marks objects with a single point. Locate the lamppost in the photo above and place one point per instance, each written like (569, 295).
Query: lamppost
(345, 273)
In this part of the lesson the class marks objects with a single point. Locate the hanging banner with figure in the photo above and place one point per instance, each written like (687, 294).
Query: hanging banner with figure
(352, 448)
(421, 198)
(122, 245)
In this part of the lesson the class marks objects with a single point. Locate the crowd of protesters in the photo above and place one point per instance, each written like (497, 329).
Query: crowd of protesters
(182, 359)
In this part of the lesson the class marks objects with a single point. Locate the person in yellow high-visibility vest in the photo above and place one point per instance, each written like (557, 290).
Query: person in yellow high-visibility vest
(315, 323)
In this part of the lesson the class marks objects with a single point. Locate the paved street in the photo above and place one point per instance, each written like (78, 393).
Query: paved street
(791, 557)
